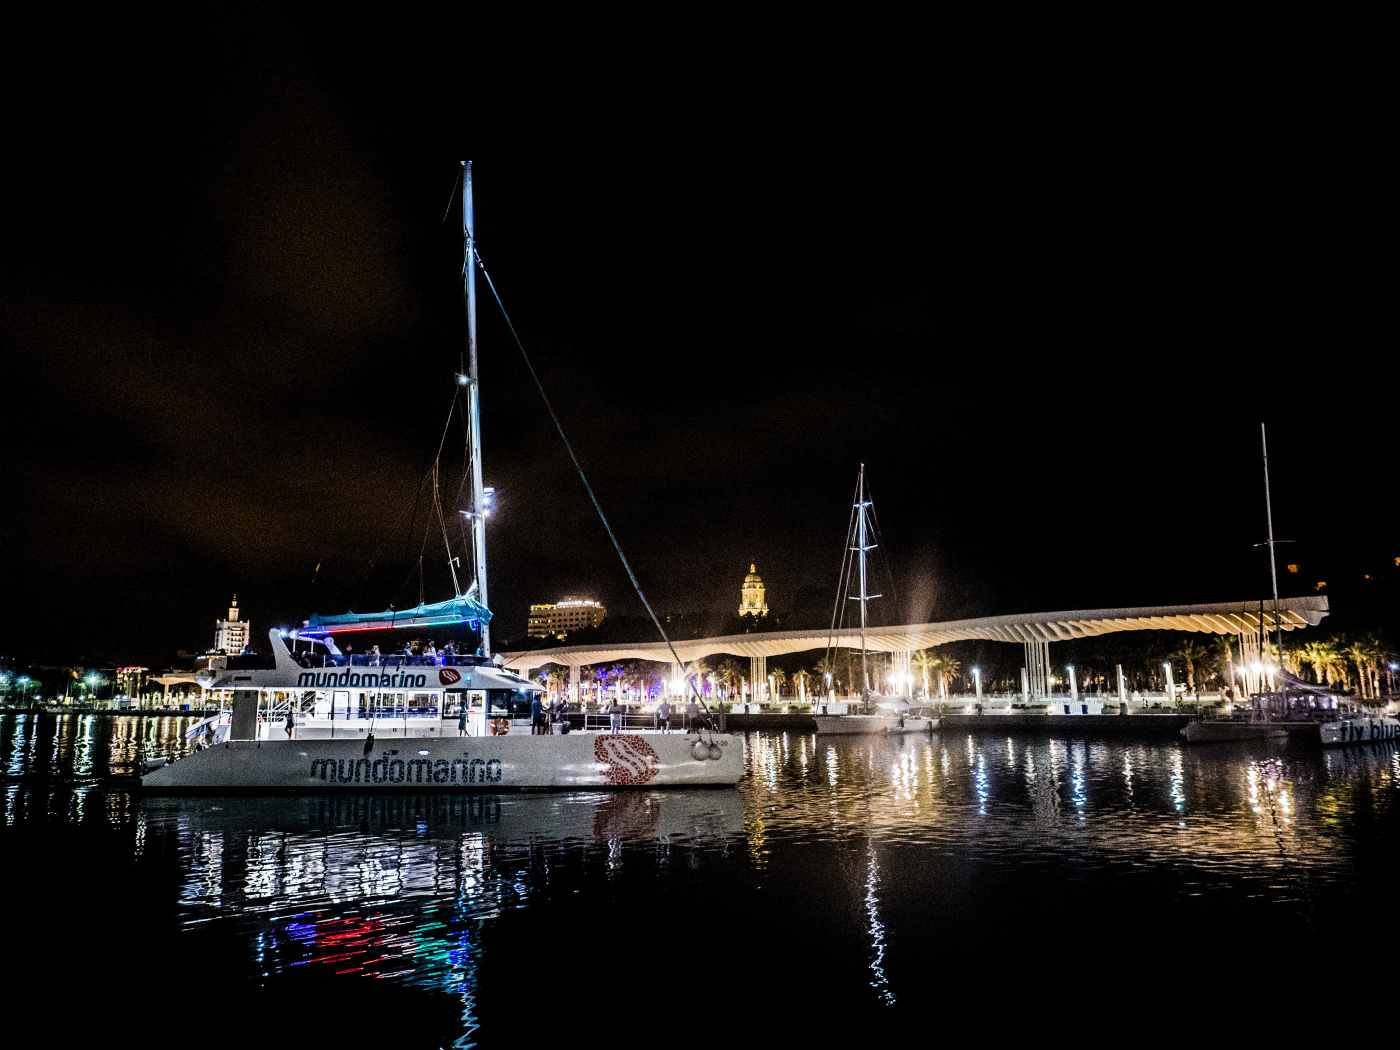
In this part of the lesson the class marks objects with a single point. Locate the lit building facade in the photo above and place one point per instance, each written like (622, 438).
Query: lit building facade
(751, 600)
(232, 635)
(131, 681)
(559, 619)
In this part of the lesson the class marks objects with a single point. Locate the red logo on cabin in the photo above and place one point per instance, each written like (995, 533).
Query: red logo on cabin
(629, 759)
(447, 676)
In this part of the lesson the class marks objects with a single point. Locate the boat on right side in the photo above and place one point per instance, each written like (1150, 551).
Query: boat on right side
(1300, 709)
(1297, 708)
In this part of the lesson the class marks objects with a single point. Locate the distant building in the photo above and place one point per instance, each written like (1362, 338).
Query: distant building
(232, 635)
(568, 614)
(131, 681)
(751, 601)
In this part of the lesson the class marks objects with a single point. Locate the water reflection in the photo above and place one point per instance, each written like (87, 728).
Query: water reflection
(878, 980)
(882, 864)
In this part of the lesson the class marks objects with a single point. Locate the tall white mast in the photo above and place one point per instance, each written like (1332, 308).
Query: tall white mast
(478, 513)
(1273, 565)
(861, 504)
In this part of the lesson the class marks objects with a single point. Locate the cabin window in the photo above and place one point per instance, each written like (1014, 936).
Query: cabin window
(508, 703)
(386, 701)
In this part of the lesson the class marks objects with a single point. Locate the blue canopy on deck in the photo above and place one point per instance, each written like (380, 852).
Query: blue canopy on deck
(462, 609)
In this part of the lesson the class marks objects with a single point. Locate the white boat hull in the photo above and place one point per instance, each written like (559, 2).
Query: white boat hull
(1221, 732)
(1359, 731)
(566, 761)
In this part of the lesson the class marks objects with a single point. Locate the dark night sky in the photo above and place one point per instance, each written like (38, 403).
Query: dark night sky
(232, 316)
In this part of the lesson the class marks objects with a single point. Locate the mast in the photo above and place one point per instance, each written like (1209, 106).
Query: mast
(478, 512)
(1273, 565)
(861, 504)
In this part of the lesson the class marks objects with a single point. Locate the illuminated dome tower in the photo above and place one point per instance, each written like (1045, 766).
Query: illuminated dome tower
(751, 601)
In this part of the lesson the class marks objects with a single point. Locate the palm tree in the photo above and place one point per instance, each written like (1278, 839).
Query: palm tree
(1360, 652)
(1225, 650)
(1322, 656)
(1192, 652)
(697, 669)
(925, 660)
(825, 666)
(799, 679)
(725, 672)
(948, 668)
(779, 677)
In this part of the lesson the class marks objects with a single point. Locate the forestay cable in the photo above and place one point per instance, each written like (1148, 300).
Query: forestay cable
(583, 477)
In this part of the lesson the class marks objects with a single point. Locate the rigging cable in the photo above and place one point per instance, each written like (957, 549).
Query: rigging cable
(843, 580)
(887, 559)
(588, 488)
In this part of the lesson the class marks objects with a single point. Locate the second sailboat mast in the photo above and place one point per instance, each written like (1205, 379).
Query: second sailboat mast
(861, 504)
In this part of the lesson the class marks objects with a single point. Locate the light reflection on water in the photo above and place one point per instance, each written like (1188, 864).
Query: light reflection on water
(852, 857)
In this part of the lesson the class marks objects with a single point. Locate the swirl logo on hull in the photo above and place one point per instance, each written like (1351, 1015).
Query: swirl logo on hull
(449, 676)
(629, 759)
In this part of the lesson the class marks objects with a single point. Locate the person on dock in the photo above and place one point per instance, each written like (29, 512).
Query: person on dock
(537, 723)
(663, 716)
(291, 724)
(692, 716)
(615, 709)
(462, 718)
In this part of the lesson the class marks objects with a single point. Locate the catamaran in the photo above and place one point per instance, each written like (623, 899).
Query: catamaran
(333, 719)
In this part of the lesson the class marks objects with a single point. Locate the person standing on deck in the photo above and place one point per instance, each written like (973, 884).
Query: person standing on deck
(616, 711)
(692, 716)
(291, 724)
(663, 716)
(536, 715)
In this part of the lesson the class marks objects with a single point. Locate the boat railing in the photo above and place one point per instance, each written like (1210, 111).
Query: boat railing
(633, 722)
(391, 660)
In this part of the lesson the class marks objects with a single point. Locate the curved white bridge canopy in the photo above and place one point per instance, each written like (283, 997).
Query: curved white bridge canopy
(1220, 618)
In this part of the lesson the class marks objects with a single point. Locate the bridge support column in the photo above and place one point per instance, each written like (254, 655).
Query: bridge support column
(1249, 664)
(904, 679)
(1038, 669)
(758, 679)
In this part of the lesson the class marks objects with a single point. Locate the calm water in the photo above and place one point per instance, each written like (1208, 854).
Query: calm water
(1089, 888)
